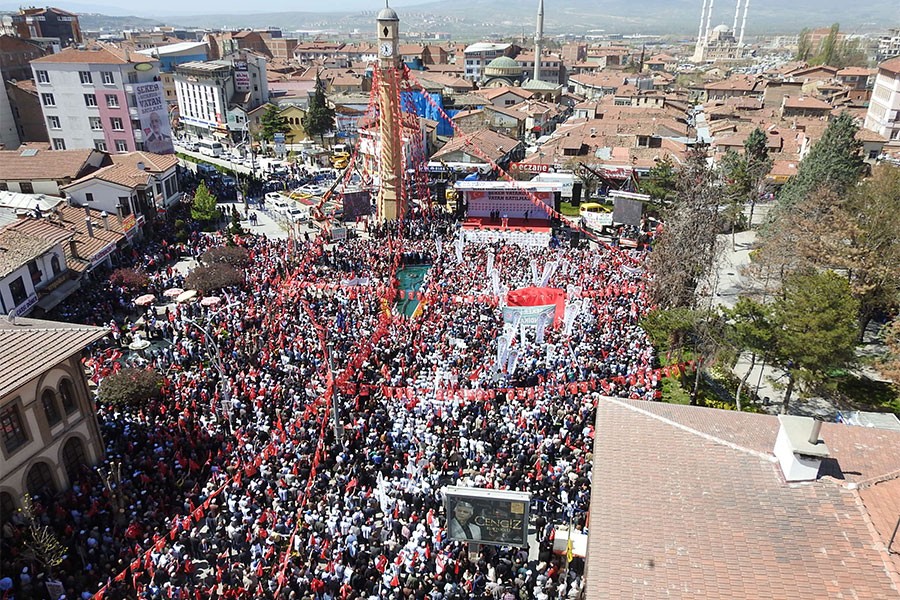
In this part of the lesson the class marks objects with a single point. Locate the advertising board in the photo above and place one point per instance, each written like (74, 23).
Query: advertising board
(485, 516)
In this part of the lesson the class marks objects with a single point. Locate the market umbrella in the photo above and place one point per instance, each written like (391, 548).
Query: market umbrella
(210, 301)
(144, 300)
(173, 292)
(186, 296)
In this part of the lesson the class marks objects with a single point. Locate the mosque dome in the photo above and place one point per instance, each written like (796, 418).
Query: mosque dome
(718, 28)
(503, 66)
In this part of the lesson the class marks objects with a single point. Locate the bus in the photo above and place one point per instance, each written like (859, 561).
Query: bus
(208, 148)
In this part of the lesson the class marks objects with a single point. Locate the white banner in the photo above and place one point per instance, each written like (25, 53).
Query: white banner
(513, 361)
(526, 315)
(502, 350)
(490, 263)
(543, 318)
(154, 117)
(573, 309)
(549, 270)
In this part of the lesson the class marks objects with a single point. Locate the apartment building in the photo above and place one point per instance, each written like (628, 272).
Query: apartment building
(101, 99)
(883, 116)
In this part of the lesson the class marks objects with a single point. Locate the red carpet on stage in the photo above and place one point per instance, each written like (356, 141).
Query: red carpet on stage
(534, 225)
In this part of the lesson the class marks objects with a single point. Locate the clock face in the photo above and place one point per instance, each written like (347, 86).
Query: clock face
(387, 49)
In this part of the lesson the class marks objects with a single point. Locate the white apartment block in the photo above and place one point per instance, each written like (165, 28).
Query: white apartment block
(477, 57)
(883, 116)
(214, 97)
(88, 98)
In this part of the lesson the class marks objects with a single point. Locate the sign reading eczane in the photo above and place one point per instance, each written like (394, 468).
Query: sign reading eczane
(484, 516)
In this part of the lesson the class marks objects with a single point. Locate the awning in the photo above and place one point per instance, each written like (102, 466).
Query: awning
(50, 301)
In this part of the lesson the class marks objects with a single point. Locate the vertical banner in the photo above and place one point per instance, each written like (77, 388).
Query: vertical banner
(439, 246)
(549, 270)
(458, 246)
(490, 263)
(241, 76)
(154, 117)
(535, 278)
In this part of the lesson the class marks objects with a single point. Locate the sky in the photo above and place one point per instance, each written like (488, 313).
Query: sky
(194, 7)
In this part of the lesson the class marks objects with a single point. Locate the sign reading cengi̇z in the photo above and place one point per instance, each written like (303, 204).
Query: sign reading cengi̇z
(484, 516)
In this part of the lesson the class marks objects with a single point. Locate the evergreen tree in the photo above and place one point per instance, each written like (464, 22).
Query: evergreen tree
(751, 331)
(834, 162)
(272, 122)
(829, 47)
(204, 208)
(804, 46)
(814, 326)
(319, 118)
(661, 182)
(746, 176)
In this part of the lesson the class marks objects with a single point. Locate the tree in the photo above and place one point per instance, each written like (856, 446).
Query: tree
(208, 278)
(272, 122)
(42, 544)
(204, 208)
(751, 331)
(684, 253)
(814, 325)
(130, 279)
(804, 46)
(661, 182)
(890, 364)
(235, 256)
(828, 47)
(834, 162)
(319, 118)
(130, 387)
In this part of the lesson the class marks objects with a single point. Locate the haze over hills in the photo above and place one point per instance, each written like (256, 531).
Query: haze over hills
(477, 18)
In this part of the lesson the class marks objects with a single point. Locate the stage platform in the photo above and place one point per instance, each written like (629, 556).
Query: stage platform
(521, 225)
(531, 234)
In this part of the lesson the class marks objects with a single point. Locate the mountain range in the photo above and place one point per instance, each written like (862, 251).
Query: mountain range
(477, 18)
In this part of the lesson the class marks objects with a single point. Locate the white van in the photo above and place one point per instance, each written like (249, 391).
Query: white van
(209, 148)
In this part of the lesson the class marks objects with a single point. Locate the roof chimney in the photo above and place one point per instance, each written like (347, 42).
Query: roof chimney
(798, 448)
(141, 166)
(105, 218)
(90, 226)
(73, 248)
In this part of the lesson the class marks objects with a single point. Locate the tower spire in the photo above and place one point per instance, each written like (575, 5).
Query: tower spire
(538, 39)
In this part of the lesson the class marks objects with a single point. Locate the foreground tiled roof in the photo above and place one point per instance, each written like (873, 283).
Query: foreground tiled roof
(689, 503)
(45, 164)
(494, 145)
(31, 346)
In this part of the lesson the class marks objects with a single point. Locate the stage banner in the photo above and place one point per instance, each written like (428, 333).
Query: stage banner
(527, 315)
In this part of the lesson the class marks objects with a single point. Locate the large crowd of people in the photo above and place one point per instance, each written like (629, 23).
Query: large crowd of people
(306, 428)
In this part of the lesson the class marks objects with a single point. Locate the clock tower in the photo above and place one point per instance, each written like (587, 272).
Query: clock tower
(390, 201)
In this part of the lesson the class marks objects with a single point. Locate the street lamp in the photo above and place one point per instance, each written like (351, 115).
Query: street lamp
(214, 352)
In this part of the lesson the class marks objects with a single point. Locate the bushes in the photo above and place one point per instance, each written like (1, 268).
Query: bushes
(212, 277)
(130, 279)
(229, 255)
(130, 387)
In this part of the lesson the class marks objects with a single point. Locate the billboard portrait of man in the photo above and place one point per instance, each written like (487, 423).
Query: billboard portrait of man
(461, 525)
(157, 141)
(482, 516)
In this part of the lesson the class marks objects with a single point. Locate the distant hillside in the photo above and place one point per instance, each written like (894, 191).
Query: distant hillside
(98, 22)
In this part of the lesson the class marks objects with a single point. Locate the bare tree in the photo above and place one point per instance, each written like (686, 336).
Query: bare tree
(42, 544)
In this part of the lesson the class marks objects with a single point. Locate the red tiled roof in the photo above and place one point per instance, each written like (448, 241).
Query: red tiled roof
(807, 102)
(493, 144)
(101, 56)
(688, 502)
(891, 66)
(44, 165)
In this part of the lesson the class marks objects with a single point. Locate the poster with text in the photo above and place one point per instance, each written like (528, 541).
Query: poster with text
(154, 117)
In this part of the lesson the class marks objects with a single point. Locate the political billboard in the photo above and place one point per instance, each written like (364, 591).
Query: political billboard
(484, 516)
(154, 117)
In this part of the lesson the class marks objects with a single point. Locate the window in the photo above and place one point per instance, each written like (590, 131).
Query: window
(873, 154)
(51, 410)
(132, 77)
(26, 187)
(89, 197)
(40, 480)
(107, 77)
(34, 271)
(124, 205)
(43, 77)
(96, 123)
(59, 144)
(100, 145)
(121, 146)
(85, 77)
(53, 122)
(14, 436)
(73, 458)
(48, 100)
(55, 267)
(17, 290)
(90, 100)
(116, 123)
(67, 393)
(112, 101)
(7, 504)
